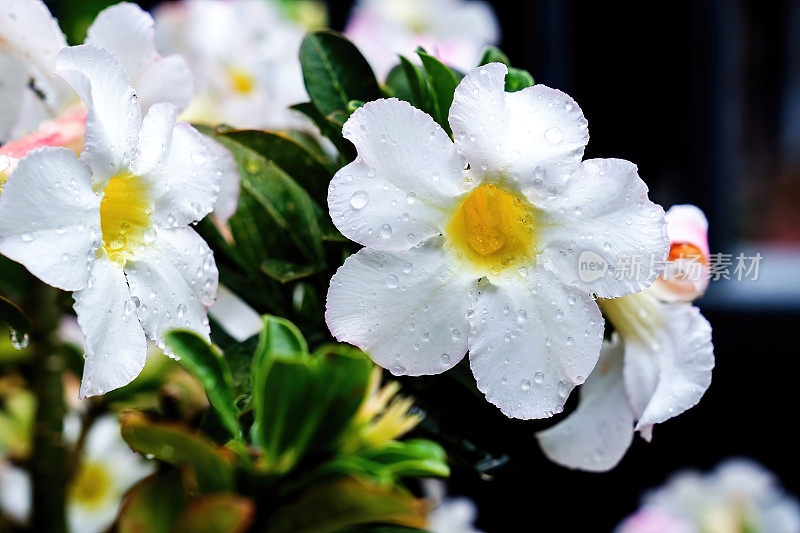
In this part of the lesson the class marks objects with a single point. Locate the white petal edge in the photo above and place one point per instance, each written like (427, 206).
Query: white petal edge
(114, 117)
(190, 180)
(669, 373)
(127, 31)
(116, 348)
(532, 342)
(531, 139)
(407, 310)
(603, 215)
(407, 176)
(597, 434)
(175, 280)
(50, 218)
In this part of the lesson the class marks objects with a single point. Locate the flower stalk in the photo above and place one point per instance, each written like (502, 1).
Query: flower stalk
(49, 454)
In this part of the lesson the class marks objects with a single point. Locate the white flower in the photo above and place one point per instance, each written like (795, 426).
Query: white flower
(739, 496)
(107, 469)
(486, 259)
(449, 515)
(113, 226)
(243, 54)
(657, 365)
(30, 40)
(455, 31)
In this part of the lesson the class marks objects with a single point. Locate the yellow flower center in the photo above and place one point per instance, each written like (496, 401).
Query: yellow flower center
(125, 217)
(91, 486)
(493, 229)
(241, 80)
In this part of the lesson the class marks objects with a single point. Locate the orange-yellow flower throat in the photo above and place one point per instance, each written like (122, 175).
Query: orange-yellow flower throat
(493, 229)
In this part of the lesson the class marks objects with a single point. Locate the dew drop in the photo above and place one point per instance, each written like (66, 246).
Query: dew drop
(359, 200)
(554, 135)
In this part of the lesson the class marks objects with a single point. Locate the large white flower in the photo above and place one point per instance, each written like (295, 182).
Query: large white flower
(244, 58)
(739, 495)
(657, 365)
(486, 259)
(113, 225)
(107, 469)
(453, 30)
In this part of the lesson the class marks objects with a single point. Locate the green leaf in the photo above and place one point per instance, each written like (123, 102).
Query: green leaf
(420, 92)
(19, 325)
(443, 82)
(398, 84)
(492, 54)
(208, 366)
(284, 272)
(300, 402)
(153, 504)
(217, 513)
(272, 206)
(330, 129)
(210, 465)
(517, 79)
(308, 170)
(335, 505)
(335, 72)
(279, 338)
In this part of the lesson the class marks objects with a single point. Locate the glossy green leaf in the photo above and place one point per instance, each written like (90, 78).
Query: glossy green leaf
(443, 82)
(420, 91)
(208, 366)
(210, 465)
(518, 79)
(217, 513)
(306, 168)
(272, 207)
(339, 504)
(335, 72)
(492, 54)
(284, 272)
(330, 129)
(153, 504)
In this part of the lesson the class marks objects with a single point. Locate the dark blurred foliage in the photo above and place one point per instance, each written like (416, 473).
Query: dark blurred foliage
(704, 96)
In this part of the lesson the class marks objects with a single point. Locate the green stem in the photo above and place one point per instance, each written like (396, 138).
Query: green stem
(48, 462)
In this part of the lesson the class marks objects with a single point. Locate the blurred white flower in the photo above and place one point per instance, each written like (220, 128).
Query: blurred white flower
(448, 515)
(30, 41)
(485, 259)
(738, 496)
(243, 54)
(657, 365)
(455, 31)
(113, 225)
(107, 469)
(687, 273)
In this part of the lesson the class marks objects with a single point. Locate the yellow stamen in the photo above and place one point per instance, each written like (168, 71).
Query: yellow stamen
(242, 81)
(125, 217)
(493, 229)
(91, 486)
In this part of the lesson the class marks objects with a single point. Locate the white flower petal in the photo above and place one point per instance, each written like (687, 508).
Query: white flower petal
(175, 279)
(155, 140)
(407, 310)
(603, 215)
(597, 434)
(669, 373)
(534, 137)
(50, 217)
(127, 32)
(532, 342)
(190, 178)
(114, 117)
(238, 319)
(116, 348)
(31, 33)
(228, 198)
(13, 86)
(407, 176)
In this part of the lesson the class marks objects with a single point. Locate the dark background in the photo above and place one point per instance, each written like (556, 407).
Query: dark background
(704, 96)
